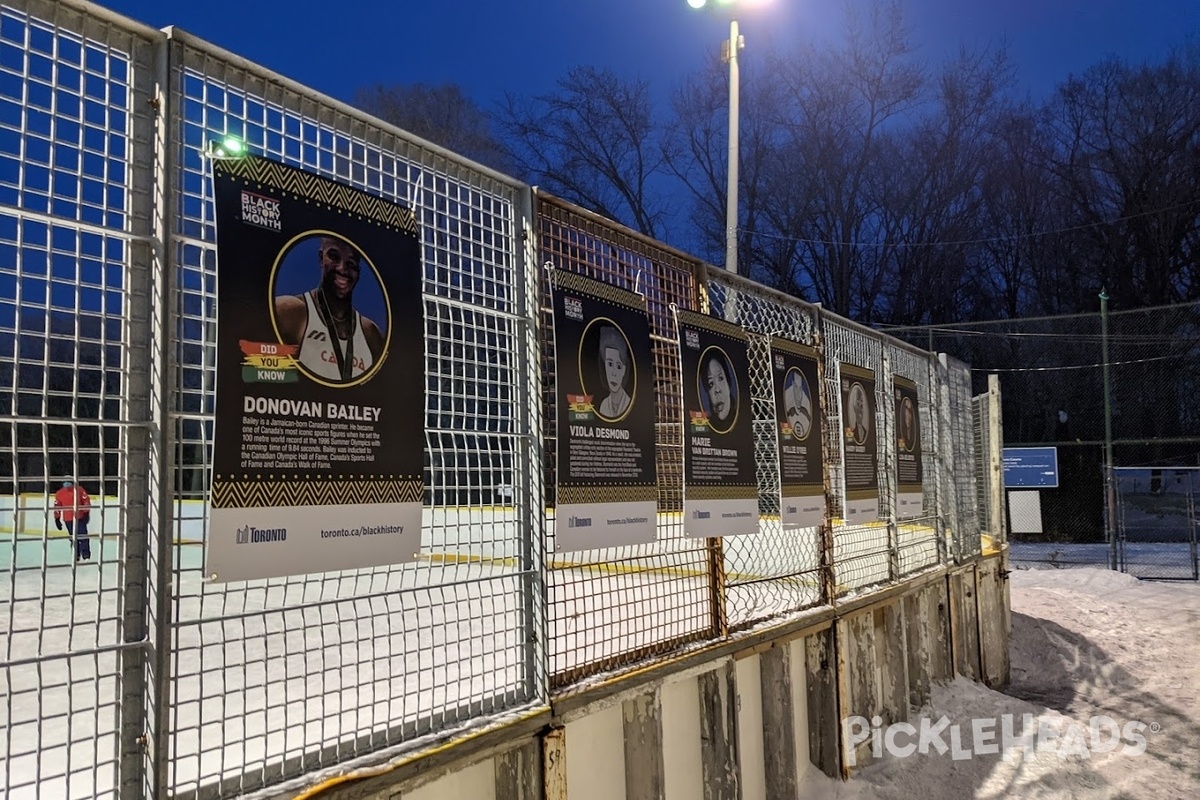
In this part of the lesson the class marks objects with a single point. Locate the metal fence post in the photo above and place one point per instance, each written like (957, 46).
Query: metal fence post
(889, 458)
(533, 514)
(995, 435)
(1110, 489)
(160, 484)
(939, 465)
(142, 442)
(828, 577)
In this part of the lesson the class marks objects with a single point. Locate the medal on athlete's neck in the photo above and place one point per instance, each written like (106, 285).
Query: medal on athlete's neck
(345, 360)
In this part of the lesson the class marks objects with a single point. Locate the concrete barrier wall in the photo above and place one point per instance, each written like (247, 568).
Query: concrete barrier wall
(744, 720)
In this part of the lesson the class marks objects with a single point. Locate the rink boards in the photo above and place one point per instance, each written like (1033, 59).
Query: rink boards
(490, 534)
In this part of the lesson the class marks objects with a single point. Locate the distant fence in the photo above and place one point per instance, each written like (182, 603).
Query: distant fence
(134, 676)
(1052, 370)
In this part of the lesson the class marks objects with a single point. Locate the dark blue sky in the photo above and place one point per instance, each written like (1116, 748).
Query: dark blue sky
(523, 46)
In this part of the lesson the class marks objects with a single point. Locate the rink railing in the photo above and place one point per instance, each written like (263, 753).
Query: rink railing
(132, 675)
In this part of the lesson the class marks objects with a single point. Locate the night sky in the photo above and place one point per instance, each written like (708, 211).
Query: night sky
(489, 48)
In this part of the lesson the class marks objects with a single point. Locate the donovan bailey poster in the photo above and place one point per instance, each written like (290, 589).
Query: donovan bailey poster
(318, 446)
(607, 492)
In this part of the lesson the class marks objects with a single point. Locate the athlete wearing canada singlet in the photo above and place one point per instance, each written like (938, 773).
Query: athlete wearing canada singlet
(319, 356)
(337, 343)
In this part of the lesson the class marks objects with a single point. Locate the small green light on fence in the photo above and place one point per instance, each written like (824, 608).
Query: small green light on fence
(229, 147)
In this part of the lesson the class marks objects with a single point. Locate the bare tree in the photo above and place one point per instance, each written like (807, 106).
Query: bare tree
(593, 141)
(838, 108)
(698, 156)
(442, 114)
(933, 191)
(1126, 152)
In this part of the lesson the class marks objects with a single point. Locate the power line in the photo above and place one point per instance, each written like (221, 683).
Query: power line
(961, 327)
(1096, 365)
(960, 242)
(1122, 338)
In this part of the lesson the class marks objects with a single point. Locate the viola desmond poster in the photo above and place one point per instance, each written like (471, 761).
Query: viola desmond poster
(320, 408)
(720, 487)
(607, 487)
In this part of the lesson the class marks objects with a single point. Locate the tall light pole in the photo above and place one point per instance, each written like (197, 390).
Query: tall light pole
(731, 48)
(729, 54)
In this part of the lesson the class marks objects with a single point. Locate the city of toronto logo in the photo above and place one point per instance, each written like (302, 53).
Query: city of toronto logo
(1008, 735)
(252, 535)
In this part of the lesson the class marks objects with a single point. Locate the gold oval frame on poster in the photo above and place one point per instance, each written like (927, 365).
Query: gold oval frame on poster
(387, 306)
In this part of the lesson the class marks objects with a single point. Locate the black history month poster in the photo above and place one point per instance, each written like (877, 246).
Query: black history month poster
(720, 487)
(798, 423)
(910, 501)
(320, 407)
(607, 492)
(860, 449)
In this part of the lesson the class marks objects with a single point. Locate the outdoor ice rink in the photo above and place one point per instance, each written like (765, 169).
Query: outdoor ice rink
(268, 670)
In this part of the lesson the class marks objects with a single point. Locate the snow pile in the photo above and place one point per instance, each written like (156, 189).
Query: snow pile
(1106, 667)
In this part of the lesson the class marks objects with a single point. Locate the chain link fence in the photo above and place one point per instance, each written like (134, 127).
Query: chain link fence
(130, 674)
(1052, 370)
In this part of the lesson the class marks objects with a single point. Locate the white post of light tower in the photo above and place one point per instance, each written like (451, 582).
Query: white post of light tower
(729, 52)
(731, 48)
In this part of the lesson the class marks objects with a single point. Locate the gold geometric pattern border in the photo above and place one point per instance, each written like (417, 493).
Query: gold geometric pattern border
(722, 492)
(801, 490)
(606, 494)
(794, 348)
(855, 371)
(322, 190)
(719, 327)
(901, 382)
(574, 282)
(296, 492)
(862, 494)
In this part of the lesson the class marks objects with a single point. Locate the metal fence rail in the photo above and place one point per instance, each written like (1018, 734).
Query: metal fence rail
(131, 675)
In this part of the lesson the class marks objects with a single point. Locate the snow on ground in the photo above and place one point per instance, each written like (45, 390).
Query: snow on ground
(1086, 643)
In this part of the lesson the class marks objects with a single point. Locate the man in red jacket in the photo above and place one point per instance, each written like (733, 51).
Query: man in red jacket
(73, 506)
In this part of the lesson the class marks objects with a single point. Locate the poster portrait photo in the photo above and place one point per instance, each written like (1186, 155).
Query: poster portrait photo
(908, 426)
(717, 382)
(858, 418)
(720, 486)
(328, 300)
(794, 377)
(797, 398)
(607, 370)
